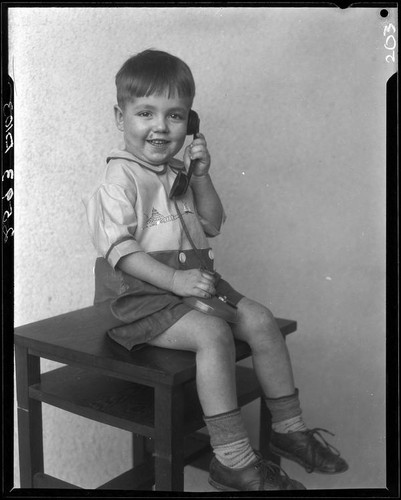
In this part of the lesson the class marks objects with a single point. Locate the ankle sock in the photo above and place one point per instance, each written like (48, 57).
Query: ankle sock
(235, 455)
(229, 439)
(286, 413)
(295, 424)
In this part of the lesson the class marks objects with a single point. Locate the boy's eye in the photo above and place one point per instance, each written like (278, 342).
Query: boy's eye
(173, 116)
(176, 116)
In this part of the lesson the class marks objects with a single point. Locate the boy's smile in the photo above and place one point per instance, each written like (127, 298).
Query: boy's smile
(154, 127)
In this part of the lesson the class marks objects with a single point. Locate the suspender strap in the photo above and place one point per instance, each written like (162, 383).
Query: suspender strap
(191, 241)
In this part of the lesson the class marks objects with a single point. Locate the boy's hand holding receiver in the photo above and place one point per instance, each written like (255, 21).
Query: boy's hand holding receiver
(198, 152)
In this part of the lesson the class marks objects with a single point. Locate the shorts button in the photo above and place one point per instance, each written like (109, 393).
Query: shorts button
(182, 257)
(211, 256)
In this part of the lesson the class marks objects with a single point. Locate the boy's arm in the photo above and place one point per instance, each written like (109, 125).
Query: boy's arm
(146, 268)
(207, 200)
(192, 282)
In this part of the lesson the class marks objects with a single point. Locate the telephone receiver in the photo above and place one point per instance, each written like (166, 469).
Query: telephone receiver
(193, 123)
(218, 305)
(215, 306)
(181, 182)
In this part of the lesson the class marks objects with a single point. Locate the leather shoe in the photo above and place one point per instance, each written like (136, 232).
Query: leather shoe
(302, 447)
(261, 475)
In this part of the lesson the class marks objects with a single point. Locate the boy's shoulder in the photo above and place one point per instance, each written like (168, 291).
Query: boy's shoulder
(121, 167)
(118, 157)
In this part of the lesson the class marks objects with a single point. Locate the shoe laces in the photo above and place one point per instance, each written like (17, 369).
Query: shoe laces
(271, 471)
(317, 431)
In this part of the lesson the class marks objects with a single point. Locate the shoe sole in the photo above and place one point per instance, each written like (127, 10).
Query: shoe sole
(288, 456)
(219, 486)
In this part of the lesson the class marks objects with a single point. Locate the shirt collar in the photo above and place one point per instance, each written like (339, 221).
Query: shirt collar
(158, 169)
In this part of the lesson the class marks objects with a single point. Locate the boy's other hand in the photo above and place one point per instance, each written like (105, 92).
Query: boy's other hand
(193, 283)
(198, 152)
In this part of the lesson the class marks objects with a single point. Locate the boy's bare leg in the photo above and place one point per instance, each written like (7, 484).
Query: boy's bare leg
(212, 341)
(290, 437)
(271, 359)
(233, 466)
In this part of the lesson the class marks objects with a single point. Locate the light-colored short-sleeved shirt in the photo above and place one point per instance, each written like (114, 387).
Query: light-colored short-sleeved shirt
(130, 211)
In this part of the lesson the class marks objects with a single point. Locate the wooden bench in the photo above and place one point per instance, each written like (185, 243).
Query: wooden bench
(150, 392)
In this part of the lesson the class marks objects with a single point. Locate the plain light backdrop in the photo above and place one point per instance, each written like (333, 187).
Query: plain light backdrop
(292, 104)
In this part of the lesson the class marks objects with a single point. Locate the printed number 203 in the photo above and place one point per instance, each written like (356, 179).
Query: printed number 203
(391, 42)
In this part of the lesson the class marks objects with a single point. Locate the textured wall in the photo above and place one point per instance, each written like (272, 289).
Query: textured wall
(292, 102)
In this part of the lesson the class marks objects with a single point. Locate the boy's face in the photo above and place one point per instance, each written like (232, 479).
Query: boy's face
(154, 127)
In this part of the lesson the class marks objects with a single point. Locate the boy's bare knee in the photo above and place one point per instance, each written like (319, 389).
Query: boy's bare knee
(257, 325)
(256, 316)
(265, 319)
(216, 334)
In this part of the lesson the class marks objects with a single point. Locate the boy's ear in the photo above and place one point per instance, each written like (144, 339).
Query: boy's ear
(119, 117)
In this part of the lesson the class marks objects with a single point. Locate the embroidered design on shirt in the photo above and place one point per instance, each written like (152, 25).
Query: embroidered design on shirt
(157, 218)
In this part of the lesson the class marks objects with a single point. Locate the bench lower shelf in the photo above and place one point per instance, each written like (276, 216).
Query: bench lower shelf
(123, 404)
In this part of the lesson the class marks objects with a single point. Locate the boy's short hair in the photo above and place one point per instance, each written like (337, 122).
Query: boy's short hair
(153, 72)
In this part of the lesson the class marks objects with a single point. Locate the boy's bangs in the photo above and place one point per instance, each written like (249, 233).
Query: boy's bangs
(160, 84)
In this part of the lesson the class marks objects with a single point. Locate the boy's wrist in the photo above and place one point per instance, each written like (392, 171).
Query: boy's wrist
(196, 177)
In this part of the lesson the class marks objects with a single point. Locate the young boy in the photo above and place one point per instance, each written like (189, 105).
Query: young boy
(155, 253)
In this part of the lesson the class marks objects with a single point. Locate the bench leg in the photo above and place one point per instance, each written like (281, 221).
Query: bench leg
(30, 433)
(169, 438)
(141, 454)
(139, 450)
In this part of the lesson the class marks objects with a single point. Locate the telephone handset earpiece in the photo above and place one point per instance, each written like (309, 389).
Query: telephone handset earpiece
(193, 123)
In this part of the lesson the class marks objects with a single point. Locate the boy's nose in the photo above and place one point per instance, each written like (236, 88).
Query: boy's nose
(160, 125)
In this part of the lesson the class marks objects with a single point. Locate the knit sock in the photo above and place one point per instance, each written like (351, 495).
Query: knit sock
(295, 424)
(229, 439)
(286, 413)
